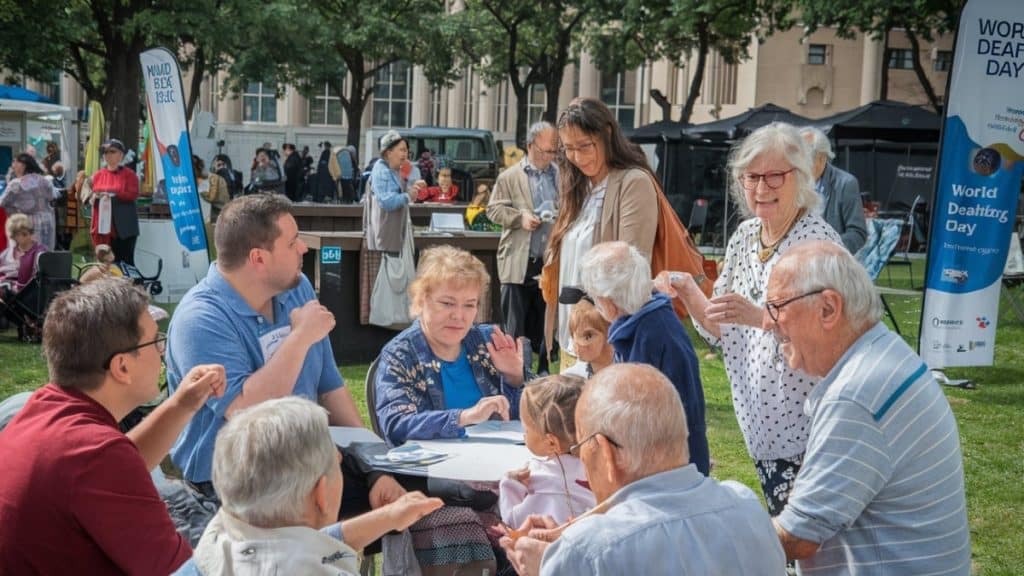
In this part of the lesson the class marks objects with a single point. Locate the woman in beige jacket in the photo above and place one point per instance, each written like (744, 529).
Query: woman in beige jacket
(607, 192)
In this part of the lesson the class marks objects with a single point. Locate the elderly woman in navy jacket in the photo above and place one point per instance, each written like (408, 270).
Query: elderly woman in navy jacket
(444, 372)
(645, 329)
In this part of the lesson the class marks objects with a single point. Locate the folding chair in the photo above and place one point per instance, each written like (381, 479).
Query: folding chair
(371, 397)
(698, 217)
(883, 235)
(1013, 277)
(911, 232)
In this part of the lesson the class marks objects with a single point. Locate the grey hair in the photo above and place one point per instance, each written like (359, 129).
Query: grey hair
(619, 272)
(820, 144)
(536, 130)
(823, 264)
(775, 138)
(637, 407)
(268, 458)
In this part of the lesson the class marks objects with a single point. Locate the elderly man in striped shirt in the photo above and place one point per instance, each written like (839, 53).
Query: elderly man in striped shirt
(881, 490)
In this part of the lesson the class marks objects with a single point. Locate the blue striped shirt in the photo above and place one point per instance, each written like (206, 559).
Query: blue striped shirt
(882, 484)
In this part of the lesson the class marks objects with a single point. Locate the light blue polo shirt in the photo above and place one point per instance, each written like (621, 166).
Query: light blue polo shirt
(214, 325)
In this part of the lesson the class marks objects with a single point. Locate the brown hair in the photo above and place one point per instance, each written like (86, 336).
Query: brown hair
(245, 223)
(482, 196)
(445, 264)
(585, 314)
(594, 119)
(87, 325)
(551, 404)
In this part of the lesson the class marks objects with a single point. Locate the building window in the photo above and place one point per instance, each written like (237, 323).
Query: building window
(901, 59)
(213, 85)
(436, 107)
(817, 54)
(392, 96)
(618, 92)
(259, 103)
(325, 107)
(943, 60)
(536, 103)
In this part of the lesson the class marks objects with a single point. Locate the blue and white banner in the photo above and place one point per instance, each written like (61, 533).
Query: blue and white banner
(980, 170)
(172, 150)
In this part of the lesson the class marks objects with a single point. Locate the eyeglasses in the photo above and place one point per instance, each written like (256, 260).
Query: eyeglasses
(775, 307)
(773, 179)
(160, 342)
(546, 152)
(575, 448)
(585, 149)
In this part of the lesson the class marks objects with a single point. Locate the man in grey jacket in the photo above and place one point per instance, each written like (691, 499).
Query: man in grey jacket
(839, 190)
(525, 203)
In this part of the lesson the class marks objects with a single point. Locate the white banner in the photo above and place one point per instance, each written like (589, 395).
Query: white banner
(165, 101)
(980, 169)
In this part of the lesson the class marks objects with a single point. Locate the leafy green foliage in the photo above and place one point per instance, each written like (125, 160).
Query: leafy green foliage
(637, 30)
(526, 42)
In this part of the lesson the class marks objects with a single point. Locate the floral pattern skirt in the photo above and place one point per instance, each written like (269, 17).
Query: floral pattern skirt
(777, 478)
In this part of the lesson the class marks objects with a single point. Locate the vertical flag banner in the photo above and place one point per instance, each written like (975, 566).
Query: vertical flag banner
(980, 170)
(172, 149)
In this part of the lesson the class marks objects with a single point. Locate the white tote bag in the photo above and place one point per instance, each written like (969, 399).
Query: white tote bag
(389, 302)
(105, 214)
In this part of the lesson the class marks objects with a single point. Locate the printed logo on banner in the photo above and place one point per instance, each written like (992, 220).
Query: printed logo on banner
(330, 255)
(946, 324)
(982, 322)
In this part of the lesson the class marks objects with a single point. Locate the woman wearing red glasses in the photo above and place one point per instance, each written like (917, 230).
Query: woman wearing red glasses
(772, 183)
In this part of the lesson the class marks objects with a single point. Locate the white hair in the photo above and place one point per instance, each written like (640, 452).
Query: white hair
(777, 138)
(619, 272)
(268, 458)
(536, 130)
(637, 408)
(825, 264)
(819, 142)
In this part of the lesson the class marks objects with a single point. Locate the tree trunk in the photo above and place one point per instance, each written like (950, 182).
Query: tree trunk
(522, 113)
(552, 87)
(929, 90)
(883, 92)
(354, 106)
(698, 78)
(121, 101)
(195, 87)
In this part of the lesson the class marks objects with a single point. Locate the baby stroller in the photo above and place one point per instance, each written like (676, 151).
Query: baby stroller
(150, 284)
(27, 308)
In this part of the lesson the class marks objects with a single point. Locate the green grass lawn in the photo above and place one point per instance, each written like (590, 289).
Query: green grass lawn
(991, 420)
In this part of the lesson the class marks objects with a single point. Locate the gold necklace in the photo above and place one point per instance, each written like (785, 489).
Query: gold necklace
(766, 252)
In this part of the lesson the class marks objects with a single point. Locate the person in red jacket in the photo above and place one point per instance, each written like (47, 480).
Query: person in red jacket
(76, 495)
(115, 189)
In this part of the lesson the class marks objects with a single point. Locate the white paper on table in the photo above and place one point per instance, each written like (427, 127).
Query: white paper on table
(511, 430)
(345, 435)
(469, 461)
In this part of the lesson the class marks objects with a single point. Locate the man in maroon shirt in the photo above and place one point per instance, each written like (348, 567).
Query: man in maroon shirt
(75, 493)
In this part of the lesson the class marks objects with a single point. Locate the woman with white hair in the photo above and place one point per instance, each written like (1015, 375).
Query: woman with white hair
(645, 329)
(276, 471)
(772, 182)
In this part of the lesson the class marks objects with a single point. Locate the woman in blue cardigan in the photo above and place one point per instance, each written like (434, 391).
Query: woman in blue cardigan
(445, 372)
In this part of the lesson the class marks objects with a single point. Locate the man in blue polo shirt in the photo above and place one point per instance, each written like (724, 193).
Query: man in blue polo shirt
(257, 315)
(881, 490)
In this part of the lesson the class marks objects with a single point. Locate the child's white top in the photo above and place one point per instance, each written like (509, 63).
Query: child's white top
(547, 492)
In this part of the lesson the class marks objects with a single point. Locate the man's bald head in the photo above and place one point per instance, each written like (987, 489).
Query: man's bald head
(638, 407)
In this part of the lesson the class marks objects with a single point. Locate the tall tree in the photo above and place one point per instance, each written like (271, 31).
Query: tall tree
(918, 19)
(313, 43)
(98, 43)
(676, 30)
(526, 42)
